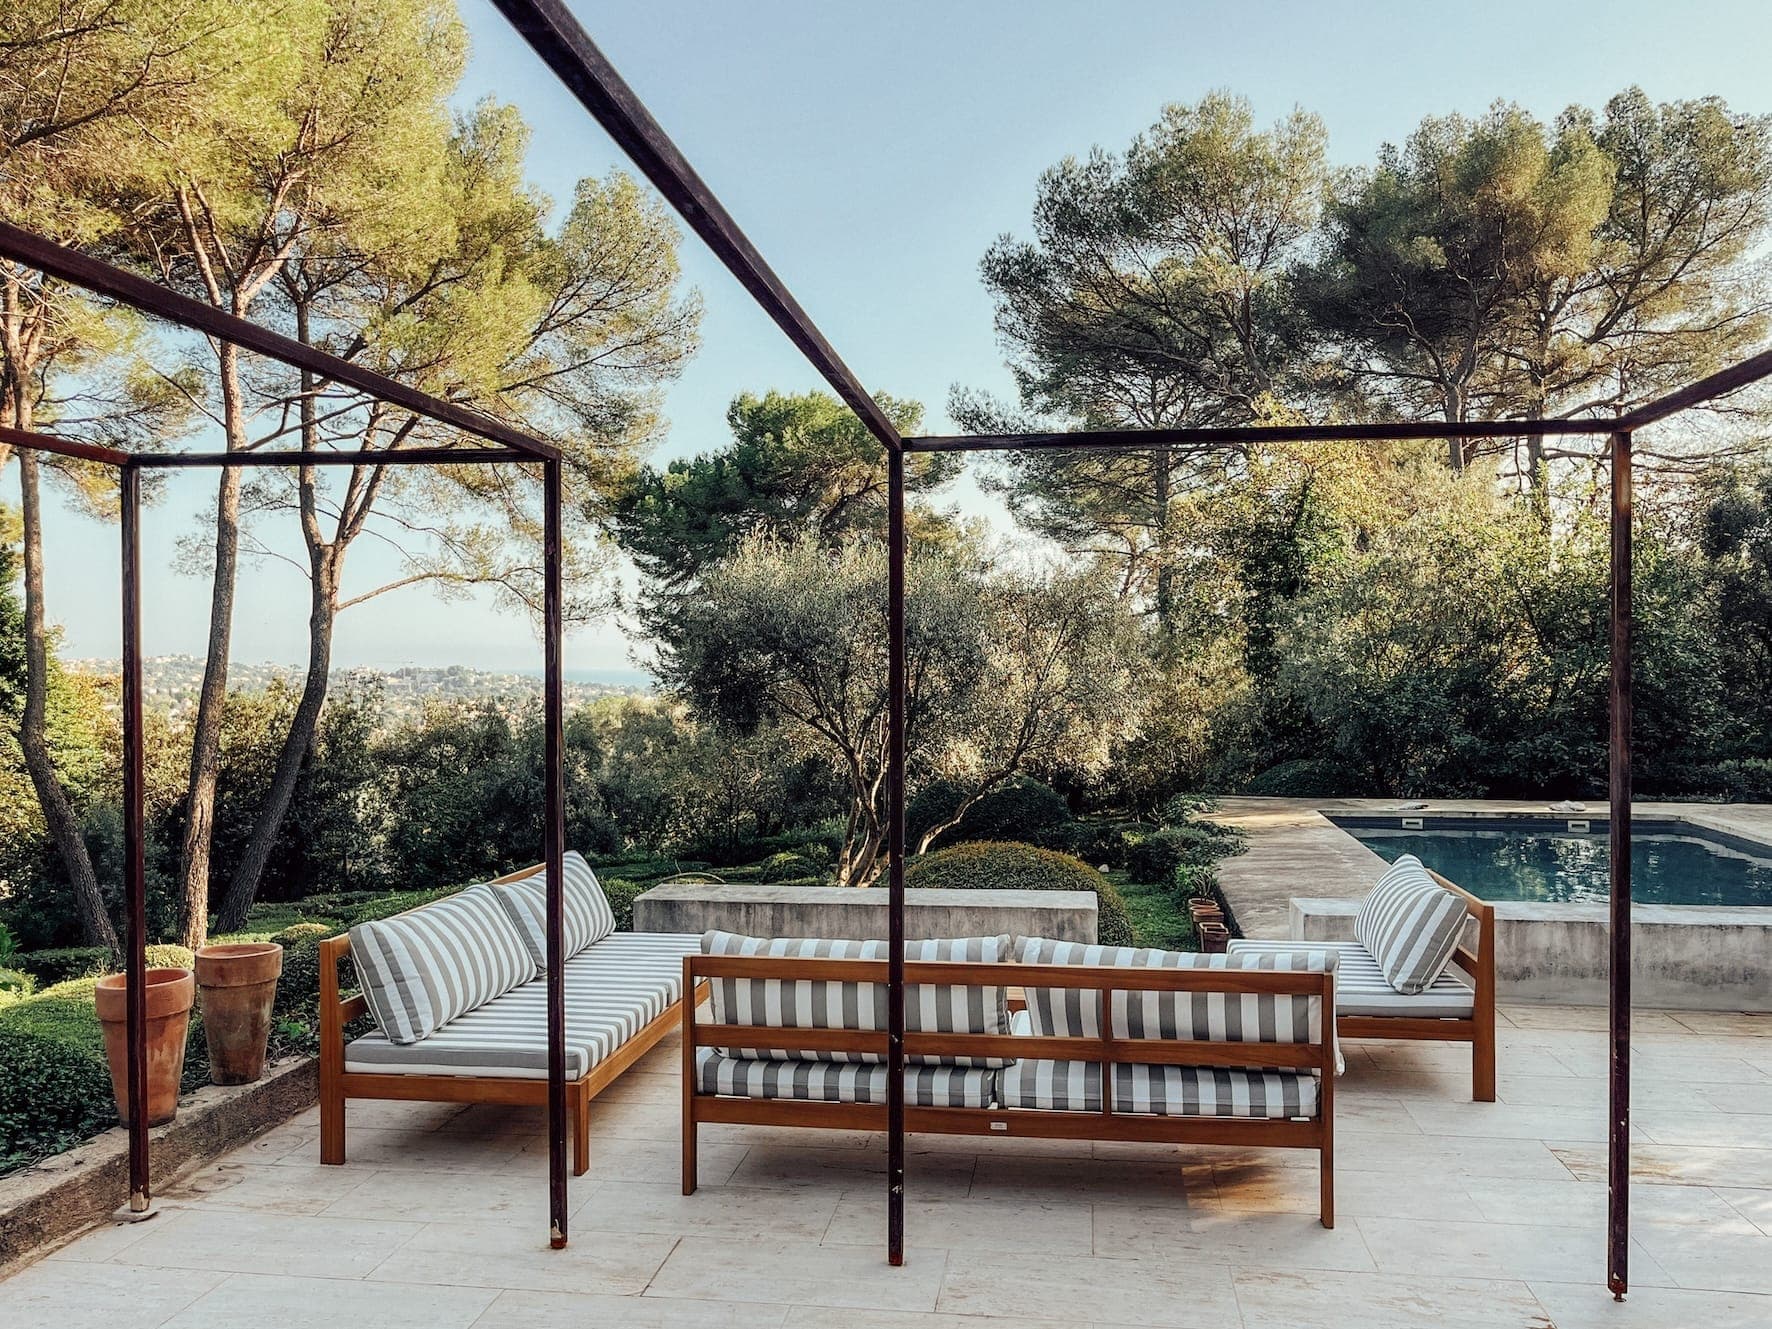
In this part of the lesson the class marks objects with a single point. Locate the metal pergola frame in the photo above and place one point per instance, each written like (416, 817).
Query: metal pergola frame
(562, 43)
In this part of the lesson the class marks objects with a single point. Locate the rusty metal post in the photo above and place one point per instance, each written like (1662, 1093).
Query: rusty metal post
(135, 894)
(554, 844)
(895, 715)
(1618, 823)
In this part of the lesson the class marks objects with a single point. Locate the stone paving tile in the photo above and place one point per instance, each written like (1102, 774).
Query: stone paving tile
(1671, 1164)
(409, 1196)
(714, 1211)
(1291, 1299)
(1256, 1189)
(801, 1273)
(236, 1183)
(560, 1310)
(69, 1294)
(1498, 1250)
(1588, 1306)
(510, 1254)
(1582, 1204)
(255, 1301)
(1722, 1259)
(1755, 1206)
(982, 1223)
(245, 1242)
(1271, 1241)
(1090, 1289)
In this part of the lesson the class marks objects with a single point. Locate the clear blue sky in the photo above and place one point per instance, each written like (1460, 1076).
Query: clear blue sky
(874, 152)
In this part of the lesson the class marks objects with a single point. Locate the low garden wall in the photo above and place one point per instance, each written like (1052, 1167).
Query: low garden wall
(847, 912)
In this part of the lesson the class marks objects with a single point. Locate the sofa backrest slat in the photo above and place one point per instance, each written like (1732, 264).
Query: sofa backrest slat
(1098, 977)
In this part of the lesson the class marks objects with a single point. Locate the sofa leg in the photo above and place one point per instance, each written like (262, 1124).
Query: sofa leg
(581, 1133)
(689, 1169)
(332, 1125)
(1326, 1186)
(1483, 1064)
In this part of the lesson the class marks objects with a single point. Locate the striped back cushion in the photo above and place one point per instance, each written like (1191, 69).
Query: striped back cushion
(1411, 925)
(421, 969)
(928, 1008)
(1245, 1017)
(588, 917)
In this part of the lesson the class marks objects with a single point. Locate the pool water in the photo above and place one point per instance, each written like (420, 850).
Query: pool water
(1669, 865)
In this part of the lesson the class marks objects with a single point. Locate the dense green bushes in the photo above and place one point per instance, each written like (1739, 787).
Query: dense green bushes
(997, 865)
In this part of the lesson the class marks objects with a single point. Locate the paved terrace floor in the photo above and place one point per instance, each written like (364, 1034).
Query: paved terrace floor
(1453, 1214)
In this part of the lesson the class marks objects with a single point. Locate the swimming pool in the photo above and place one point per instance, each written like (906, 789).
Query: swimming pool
(1532, 859)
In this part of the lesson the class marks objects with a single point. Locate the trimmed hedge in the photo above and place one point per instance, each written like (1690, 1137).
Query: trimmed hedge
(1004, 865)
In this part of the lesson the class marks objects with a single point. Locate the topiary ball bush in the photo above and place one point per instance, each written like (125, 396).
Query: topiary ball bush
(786, 866)
(296, 933)
(1004, 865)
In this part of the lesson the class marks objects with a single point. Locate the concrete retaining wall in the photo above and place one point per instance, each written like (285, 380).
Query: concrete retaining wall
(1683, 957)
(850, 913)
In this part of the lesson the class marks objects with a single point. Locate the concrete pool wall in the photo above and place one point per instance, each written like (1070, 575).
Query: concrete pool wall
(1302, 877)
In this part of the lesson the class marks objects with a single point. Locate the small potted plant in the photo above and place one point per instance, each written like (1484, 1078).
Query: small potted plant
(239, 985)
(170, 993)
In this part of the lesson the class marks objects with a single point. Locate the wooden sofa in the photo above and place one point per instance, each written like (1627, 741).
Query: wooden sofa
(623, 996)
(815, 1093)
(1459, 1008)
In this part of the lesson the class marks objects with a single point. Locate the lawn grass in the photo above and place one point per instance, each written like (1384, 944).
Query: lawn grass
(1159, 918)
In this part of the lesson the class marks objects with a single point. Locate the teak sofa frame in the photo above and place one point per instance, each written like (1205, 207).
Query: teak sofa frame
(1106, 1124)
(1478, 1029)
(337, 1085)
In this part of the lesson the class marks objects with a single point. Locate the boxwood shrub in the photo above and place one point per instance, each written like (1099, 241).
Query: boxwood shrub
(1004, 865)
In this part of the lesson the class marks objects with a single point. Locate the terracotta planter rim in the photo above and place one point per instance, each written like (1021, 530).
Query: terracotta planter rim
(238, 964)
(169, 991)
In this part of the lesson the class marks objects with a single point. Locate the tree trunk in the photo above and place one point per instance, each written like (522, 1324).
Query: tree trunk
(1162, 496)
(206, 729)
(58, 812)
(297, 743)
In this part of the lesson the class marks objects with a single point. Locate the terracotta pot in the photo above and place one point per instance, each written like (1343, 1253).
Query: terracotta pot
(239, 984)
(170, 993)
(1215, 938)
(1201, 908)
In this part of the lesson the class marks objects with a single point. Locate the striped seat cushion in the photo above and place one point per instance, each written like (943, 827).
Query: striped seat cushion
(421, 969)
(836, 1082)
(613, 990)
(1203, 1016)
(1166, 1091)
(928, 1008)
(1361, 989)
(1411, 925)
(586, 913)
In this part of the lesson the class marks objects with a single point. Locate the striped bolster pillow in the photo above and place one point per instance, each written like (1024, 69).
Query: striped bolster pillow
(421, 969)
(928, 1008)
(1411, 925)
(587, 915)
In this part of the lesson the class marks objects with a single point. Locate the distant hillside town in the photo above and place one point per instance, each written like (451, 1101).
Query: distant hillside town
(171, 683)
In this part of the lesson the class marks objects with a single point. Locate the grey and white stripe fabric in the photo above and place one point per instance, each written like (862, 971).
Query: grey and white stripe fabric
(421, 969)
(586, 915)
(1361, 989)
(1411, 925)
(613, 990)
(836, 1082)
(1256, 1017)
(791, 1004)
(1168, 1091)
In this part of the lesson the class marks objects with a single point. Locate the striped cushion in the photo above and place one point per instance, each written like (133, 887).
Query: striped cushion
(1360, 987)
(1411, 925)
(928, 1008)
(1203, 1016)
(833, 1082)
(421, 969)
(613, 990)
(1166, 1091)
(587, 915)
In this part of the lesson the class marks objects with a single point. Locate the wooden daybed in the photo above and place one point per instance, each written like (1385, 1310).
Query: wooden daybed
(1268, 1093)
(1458, 1008)
(623, 995)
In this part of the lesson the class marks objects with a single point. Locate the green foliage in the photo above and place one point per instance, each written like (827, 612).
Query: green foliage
(59, 964)
(798, 466)
(15, 985)
(786, 866)
(1168, 854)
(989, 865)
(297, 933)
(621, 896)
(53, 1094)
(1024, 810)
